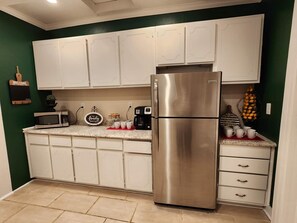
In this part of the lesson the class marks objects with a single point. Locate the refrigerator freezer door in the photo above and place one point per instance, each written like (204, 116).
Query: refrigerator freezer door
(186, 94)
(185, 162)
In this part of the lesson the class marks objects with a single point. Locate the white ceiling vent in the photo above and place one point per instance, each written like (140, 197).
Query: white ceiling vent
(107, 6)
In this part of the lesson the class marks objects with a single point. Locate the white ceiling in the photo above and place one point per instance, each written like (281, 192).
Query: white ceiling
(67, 13)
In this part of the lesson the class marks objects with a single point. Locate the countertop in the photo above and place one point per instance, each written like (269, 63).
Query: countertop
(93, 131)
(103, 132)
(257, 143)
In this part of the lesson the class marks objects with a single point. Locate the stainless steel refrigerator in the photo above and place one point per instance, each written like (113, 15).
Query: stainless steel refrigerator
(185, 124)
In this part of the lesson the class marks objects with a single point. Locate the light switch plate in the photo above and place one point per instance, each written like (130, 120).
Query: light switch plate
(268, 108)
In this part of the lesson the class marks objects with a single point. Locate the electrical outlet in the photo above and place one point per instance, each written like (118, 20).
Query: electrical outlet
(268, 108)
(82, 104)
(130, 104)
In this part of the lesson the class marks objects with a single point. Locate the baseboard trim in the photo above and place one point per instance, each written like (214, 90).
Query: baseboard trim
(10, 193)
(268, 211)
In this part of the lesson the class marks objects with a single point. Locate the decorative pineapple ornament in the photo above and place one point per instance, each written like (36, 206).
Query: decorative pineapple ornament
(249, 110)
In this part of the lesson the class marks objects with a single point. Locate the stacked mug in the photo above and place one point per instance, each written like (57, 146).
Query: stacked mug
(123, 125)
(240, 132)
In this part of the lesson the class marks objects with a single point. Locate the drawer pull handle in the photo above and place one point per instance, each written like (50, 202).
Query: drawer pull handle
(240, 195)
(244, 166)
(242, 181)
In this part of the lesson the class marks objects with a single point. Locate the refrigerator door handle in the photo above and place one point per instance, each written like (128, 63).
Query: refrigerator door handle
(155, 130)
(155, 93)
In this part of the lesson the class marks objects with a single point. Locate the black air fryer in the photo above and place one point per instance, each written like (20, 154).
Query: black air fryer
(142, 119)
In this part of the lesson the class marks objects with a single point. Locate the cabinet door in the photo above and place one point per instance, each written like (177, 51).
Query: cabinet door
(137, 55)
(200, 42)
(62, 163)
(40, 161)
(138, 172)
(47, 64)
(104, 60)
(239, 44)
(111, 173)
(170, 44)
(74, 62)
(85, 166)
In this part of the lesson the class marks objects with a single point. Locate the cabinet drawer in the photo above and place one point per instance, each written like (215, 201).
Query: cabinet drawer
(38, 139)
(60, 141)
(245, 151)
(244, 165)
(137, 147)
(240, 195)
(112, 144)
(84, 142)
(243, 180)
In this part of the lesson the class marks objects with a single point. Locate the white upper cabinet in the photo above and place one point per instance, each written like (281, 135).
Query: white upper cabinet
(74, 62)
(170, 44)
(128, 58)
(239, 46)
(137, 56)
(61, 63)
(104, 60)
(200, 42)
(47, 64)
(186, 43)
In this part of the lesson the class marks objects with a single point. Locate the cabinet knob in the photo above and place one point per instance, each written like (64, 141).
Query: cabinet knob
(242, 181)
(240, 195)
(244, 166)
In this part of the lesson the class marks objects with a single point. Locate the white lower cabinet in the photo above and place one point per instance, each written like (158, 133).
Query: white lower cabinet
(111, 171)
(62, 163)
(108, 162)
(245, 174)
(85, 166)
(242, 195)
(40, 161)
(138, 172)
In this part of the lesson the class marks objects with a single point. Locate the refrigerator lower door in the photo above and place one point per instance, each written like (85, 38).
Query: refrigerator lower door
(185, 162)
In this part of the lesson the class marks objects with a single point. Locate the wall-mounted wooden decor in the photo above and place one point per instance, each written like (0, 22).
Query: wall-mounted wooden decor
(19, 90)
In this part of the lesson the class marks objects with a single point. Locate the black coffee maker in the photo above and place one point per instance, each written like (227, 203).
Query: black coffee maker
(143, 116)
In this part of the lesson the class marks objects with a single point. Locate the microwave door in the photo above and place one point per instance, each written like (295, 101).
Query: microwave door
(45, 121)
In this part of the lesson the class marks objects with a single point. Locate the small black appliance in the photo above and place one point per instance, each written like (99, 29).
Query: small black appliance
(142, 119)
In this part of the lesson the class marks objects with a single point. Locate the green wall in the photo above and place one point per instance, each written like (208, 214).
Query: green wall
(16, 49)
(274, 63)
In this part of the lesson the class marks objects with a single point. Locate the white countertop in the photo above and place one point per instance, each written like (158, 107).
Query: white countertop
(257, 143)
(93, 131)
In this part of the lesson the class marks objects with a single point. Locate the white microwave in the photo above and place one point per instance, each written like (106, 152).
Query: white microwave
(54, 119)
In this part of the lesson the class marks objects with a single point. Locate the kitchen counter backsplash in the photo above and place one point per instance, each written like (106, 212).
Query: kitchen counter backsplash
(258, 143)
(93, 131)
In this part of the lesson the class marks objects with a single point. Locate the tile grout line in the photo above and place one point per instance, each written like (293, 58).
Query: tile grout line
(92, 204)
(63, 211)
(15, 213)
(134, 211)
(55, 199)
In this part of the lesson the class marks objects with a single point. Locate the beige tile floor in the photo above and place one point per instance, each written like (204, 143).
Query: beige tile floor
(52, 202)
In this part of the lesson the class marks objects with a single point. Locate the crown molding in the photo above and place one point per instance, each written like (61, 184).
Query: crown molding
(24, 17)
(126, 14)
